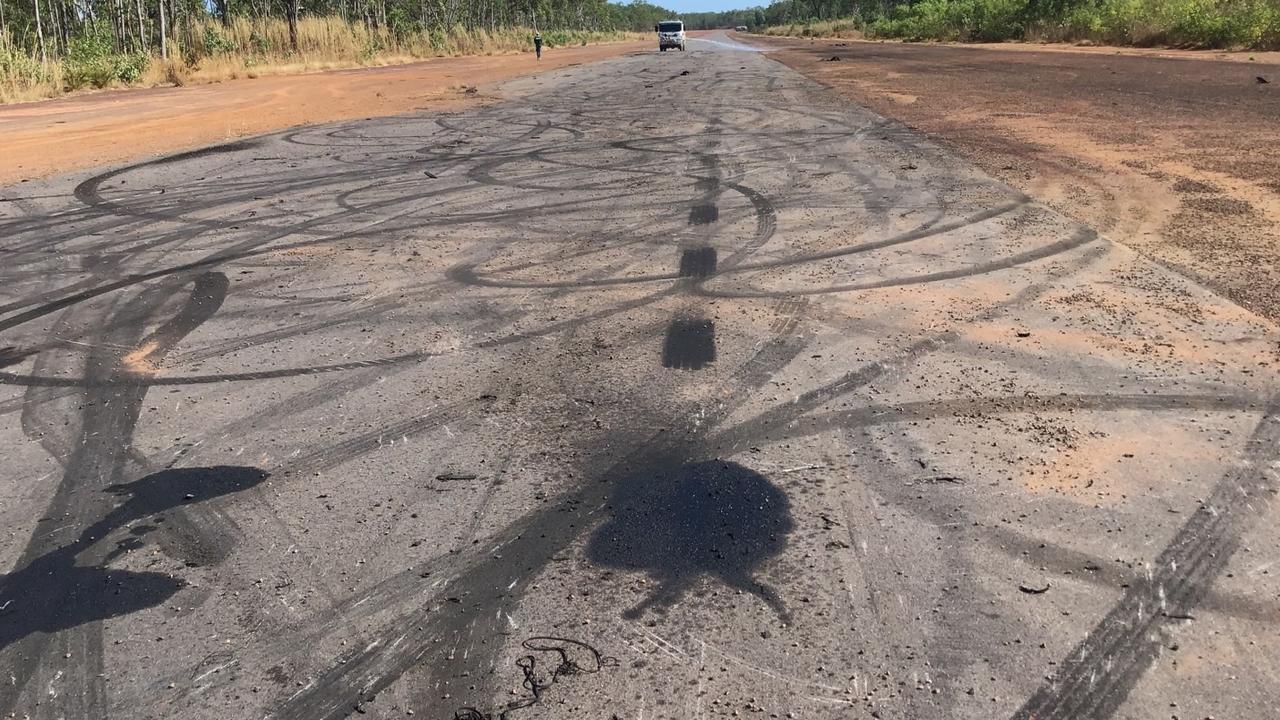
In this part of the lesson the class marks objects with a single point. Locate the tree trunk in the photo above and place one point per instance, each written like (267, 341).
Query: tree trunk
(117, 24)
(60, 16)
(164, 33)
(292, 9)
(122, 20)
(44, 56)
(142, 29)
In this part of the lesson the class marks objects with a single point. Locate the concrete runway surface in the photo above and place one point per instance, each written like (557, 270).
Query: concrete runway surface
(669, 387)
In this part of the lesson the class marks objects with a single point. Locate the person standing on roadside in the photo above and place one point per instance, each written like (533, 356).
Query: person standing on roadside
(537, 44)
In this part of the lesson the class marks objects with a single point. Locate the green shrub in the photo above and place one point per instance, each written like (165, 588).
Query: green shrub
(975, 20)
(371, 49)
(215, 43)
(402, 23)
(439, 41)
(129, 68)
(1218, 24)
(555, 38)
(89, 60)
(1187, 23)
(92, 61)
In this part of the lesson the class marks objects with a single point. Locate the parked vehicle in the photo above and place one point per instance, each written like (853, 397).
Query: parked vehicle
(740, 28)
(670, 35)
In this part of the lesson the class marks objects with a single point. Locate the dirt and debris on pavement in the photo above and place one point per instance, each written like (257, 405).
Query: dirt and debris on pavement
(569, 405)
(1174, 153)
(117, 125)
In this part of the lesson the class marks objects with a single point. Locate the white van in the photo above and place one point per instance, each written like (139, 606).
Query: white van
(670, 35)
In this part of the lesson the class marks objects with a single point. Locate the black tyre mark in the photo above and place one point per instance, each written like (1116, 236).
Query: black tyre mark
(1100, 572)
(1027, 403)
(13, 356)
(1082, 237)
(390, 188)
(1098, 674)
(102, 452)
(89, 593)
(526, 545)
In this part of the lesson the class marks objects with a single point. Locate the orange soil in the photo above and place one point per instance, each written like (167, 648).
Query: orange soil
(53, 136)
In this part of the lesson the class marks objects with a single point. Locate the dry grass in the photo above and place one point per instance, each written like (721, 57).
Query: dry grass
(209, 52)
(817, 28)
(23, 89)
(24, 78)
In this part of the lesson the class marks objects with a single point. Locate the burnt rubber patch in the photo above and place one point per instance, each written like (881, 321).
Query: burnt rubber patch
(698, 262)
(690, 344)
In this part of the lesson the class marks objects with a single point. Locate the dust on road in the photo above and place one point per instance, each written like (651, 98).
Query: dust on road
(1170, 153)
(672, 385)
(121, 125)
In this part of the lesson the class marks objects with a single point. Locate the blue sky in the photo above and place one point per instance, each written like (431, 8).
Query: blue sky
(707, 5)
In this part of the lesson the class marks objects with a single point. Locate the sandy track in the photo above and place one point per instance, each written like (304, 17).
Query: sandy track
(1173, 153)
(52, 136)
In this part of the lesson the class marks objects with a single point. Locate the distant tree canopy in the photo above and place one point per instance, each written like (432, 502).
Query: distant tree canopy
(787, 11)
(51, 27)
(1180, 23)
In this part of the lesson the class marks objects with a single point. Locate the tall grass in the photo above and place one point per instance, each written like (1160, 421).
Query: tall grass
(208, 51)
(1244, 24)
(333, 39)
(846, 28)
(1252, 24)
(23, 77)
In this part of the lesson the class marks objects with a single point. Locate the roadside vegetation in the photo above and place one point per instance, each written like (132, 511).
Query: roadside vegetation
(1244, 24)
(48, 47)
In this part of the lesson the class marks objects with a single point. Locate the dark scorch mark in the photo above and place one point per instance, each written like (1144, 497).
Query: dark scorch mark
(690, 344)
(703, 214)
(698, 262)
(528, 545)
(685, 521)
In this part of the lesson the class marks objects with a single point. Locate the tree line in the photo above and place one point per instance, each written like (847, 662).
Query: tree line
(49, 28)
(1179, 23)
(786, 12)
